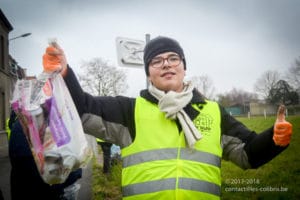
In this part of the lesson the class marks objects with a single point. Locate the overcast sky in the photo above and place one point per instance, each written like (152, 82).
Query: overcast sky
(233, 42)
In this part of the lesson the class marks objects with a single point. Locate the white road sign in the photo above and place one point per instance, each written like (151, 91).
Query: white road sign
(130, 52)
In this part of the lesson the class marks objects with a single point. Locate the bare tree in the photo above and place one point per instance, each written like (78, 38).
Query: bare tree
(266, 82)
(236, 97)
(99, 78)
(204, 84)
(293, 74)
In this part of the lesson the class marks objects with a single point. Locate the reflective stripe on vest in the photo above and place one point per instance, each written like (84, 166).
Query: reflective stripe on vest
(170, 184)
(171, 153)
(157, 165)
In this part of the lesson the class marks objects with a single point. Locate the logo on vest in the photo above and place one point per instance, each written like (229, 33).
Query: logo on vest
(204, 123)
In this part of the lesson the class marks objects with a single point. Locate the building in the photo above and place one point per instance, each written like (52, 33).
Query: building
(6, 76)
(238, 109)
(10, 71)
(253, 108)
(257, 108)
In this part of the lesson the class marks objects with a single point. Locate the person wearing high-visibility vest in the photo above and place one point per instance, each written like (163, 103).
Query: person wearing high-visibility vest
(106, 149)
(172, 137)
(7, 128)
(9, 123)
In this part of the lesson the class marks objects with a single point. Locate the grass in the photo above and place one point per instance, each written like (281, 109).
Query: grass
(278, 179)
(107, 186)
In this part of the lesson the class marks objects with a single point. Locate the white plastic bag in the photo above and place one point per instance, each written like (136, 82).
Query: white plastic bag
(52, 126)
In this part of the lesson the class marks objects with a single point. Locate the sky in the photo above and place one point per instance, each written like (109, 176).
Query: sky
(232, 42)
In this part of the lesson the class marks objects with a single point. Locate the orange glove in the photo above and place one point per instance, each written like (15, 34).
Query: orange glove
(54, 59)
(282, 129)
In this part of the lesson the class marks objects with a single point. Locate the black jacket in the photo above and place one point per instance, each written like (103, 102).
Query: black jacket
(112, 119)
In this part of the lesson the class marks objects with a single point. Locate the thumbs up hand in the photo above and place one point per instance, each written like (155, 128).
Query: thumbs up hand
(282, 129)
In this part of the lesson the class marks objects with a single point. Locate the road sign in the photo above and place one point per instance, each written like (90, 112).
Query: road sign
(130, 52)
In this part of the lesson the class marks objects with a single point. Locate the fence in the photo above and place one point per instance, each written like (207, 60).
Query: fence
(260, 109)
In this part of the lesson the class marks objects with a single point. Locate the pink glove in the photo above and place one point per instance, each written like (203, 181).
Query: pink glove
(54, 59)
(282, 129)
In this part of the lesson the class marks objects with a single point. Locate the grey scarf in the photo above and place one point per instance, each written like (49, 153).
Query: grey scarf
(172, 103)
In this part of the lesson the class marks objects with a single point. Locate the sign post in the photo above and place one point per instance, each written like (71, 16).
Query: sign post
(130, 52)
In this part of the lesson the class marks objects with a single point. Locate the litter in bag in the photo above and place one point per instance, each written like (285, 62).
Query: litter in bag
(52, 126)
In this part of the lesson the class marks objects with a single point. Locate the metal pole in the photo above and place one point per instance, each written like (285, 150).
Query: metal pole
(147, 39)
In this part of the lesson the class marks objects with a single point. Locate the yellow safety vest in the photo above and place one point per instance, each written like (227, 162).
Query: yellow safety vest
(99, 140)
(158, 165)
(7, 129)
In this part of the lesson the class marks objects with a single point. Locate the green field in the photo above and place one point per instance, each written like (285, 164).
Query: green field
(278, 179)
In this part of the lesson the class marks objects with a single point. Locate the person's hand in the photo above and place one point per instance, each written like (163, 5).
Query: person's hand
(282, 129)
(54, 59)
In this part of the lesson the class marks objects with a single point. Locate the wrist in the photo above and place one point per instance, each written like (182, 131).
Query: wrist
(64, 71)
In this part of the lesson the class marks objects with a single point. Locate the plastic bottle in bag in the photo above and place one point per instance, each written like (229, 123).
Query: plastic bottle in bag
(71, 192)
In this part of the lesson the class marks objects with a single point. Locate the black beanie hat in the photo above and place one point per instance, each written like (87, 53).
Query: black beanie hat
(160, 45)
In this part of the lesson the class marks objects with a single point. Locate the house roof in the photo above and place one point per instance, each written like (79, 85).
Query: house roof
(5, 21)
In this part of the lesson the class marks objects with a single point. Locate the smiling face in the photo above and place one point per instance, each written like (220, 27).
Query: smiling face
(167, 77)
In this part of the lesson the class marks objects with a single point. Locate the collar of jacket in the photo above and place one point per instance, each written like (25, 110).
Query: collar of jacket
(197, 99)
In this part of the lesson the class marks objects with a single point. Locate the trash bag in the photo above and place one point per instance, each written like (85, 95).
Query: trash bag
(52, 126)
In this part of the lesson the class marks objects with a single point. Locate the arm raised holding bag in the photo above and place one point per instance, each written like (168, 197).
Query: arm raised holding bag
(48, 146)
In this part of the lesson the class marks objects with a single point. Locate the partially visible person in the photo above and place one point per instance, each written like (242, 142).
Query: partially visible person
(106, 149)
(115, 154)
(9, 122)
(25, 180)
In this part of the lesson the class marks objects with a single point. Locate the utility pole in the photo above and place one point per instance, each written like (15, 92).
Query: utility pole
(147, 40)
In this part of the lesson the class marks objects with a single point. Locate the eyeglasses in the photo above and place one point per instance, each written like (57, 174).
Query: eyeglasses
(173, 61)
